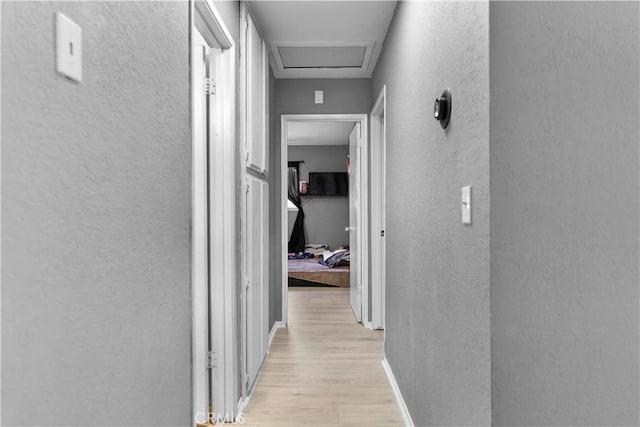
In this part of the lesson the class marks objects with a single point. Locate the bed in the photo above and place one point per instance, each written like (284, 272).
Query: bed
(309, 271)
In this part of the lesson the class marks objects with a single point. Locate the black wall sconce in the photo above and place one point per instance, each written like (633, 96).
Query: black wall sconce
(442, 108)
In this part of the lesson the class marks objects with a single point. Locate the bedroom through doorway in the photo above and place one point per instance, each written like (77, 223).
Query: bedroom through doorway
(323, 191)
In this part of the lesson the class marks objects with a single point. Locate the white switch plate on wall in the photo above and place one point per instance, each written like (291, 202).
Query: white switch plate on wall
(466, 205)
(68, 47)
(319, 96)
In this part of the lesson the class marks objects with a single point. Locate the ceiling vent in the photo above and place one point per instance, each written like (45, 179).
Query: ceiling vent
(348, 59)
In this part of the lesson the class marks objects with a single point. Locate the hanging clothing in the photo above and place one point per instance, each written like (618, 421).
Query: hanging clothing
(297, 240)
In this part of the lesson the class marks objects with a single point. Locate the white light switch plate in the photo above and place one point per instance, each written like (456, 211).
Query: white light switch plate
(68, 47)
(466, 205)
(319, 96)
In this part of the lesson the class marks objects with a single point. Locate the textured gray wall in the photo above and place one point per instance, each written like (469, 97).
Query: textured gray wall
(564, 223)
(341, 96)
(437, 339)
(295, 96)
(325, 217)
(96, 184)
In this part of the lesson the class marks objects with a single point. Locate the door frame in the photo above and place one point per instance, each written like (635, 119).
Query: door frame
(378, 205)
(356, 214)
(363, 119)
(0, 230)
(199, 241)
(205, 18)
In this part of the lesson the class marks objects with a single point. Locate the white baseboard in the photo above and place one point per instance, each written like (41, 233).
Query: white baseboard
(277, 325)
(368, 325)
(396, 391)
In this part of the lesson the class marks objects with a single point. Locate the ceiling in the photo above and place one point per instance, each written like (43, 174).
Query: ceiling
(323, 39)
(319, 133)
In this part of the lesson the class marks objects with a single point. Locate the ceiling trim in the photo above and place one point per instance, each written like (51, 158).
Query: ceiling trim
(280, 72)
(316, 143)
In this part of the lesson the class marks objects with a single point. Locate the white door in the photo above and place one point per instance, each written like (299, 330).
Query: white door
(355, 220)
(257, 203)
(216, 226)
(202, 129)
(257, 71)
(377, 144)
(214, 188)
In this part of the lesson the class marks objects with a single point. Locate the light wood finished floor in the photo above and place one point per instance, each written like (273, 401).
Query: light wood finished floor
(324, 369)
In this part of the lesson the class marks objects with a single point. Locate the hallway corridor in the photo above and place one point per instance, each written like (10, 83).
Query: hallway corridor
(325, 369)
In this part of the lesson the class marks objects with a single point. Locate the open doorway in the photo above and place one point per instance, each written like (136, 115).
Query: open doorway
(326, 151)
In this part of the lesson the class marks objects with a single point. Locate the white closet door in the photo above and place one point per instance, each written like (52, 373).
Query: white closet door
(265, 265)
(257, 87)
(257, 270)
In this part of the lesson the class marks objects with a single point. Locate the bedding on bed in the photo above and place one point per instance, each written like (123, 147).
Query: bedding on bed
(337, 257)
(316, 249)
(300, 255)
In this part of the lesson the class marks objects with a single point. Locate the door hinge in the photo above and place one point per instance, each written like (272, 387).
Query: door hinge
(247, 157)
(211, 359)
(247, 189)
(381, 233)
(209, 86)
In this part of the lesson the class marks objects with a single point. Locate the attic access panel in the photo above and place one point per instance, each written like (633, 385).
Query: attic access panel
(297, 57)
